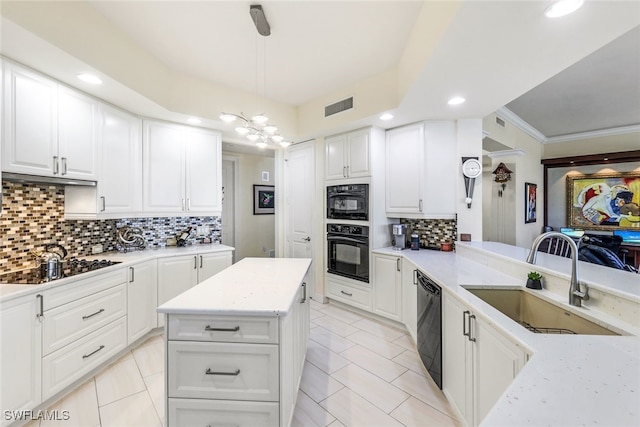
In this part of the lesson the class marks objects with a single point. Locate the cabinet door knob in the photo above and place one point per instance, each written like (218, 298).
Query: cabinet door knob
(132, 271)
(56, 165)
(64, 165)
(307, 239)
(104, 203)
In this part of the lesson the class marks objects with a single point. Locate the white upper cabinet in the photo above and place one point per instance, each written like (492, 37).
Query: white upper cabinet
(49, 129)
(163, 166)
(420, 161)
(30, 122)
(203, 154)
(182, 169)
(77, 134)
(120, 167)
(348, 155)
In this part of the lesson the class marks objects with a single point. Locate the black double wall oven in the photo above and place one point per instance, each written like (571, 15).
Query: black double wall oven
(348, 242)
(348, 251)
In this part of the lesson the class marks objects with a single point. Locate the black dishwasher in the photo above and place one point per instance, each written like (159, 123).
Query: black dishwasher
(430, 326)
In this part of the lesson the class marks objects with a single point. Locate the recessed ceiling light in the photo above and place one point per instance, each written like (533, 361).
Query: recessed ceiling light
(386, 116)
(90, 78)
(562, 8)
(194, 120)
(456, 100)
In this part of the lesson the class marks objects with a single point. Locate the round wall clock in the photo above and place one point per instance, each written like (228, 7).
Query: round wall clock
(472, 168)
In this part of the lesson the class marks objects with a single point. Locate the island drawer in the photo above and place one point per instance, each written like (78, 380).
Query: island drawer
(69, 322)
(260, 330)
(209, 370)
(197, 412)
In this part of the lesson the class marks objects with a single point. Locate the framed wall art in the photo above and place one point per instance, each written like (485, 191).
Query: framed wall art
(604, 201)
(263, 199)
(530, 202)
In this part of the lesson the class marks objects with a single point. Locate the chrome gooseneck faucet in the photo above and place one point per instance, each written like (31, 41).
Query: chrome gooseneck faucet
(575, 294)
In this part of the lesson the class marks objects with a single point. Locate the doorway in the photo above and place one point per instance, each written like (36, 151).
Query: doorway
(229, 181)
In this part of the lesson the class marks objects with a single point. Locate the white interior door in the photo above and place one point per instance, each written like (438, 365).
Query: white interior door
(229, 164)
(300, 190)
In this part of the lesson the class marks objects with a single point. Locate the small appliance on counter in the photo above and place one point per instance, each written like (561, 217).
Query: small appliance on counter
(399, 240)
(415, 242)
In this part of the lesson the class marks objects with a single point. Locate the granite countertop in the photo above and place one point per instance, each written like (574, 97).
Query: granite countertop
(10, 291)
(250, 287)
(569, 379)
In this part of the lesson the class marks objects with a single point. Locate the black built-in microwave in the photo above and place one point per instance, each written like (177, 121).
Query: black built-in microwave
(349, 201)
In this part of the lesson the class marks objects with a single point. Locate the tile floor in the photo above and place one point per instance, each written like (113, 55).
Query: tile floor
(358, 372)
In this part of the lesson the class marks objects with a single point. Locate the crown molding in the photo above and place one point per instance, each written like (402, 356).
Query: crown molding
(594, 134)
(511, 117)
(518, 152)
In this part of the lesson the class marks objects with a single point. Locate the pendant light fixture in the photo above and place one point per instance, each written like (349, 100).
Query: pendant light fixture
(257, 128)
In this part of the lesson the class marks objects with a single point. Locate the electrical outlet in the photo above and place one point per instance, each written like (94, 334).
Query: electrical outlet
(97, 249)
(203, 230)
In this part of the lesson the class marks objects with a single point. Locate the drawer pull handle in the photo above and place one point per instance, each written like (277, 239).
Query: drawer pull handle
(231, 374)
(93, 352)
(94, 314)
(209, 328)
(346, 293)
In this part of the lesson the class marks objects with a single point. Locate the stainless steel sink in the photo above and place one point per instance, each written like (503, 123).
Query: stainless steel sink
(536, 314)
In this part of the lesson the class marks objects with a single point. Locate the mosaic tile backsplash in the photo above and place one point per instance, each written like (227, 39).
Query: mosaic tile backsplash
(432, 231)
(33, 215)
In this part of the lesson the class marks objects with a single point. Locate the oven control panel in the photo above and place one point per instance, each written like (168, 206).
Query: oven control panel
(352, 230)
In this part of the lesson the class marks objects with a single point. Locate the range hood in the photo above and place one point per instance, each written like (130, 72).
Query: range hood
(36, 179)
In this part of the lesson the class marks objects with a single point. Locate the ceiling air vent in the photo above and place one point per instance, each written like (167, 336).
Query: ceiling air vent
(345, 104)
(499, 121)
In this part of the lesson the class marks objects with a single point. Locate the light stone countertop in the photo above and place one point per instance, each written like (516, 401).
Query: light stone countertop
(250, 287)
(570, 380)
(10, 291)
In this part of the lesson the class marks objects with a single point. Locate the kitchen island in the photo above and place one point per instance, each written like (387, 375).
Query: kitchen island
(235, 345)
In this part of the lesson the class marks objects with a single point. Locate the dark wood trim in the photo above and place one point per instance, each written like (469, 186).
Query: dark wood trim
(593, 159)
(586, 160)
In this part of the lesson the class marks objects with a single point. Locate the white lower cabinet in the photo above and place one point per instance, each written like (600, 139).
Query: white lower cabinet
(235, 370)
(210, 264)
(479, 362)
(68, 322)
(20, 367)
(142, 299)
(63, 367)
(387, 286)
(352, 292)
(179, 273)
(84, 324)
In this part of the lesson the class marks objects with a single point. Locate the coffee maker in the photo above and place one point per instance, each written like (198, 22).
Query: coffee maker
(399, 232)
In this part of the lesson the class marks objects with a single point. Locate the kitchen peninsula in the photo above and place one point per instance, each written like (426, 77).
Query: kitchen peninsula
(235, 345)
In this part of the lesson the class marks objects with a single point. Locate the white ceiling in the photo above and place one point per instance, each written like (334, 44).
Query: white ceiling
(602, 91)
(314, 46)
(491, 52)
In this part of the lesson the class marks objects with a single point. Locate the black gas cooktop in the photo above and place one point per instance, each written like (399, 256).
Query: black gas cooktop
(37, 276)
